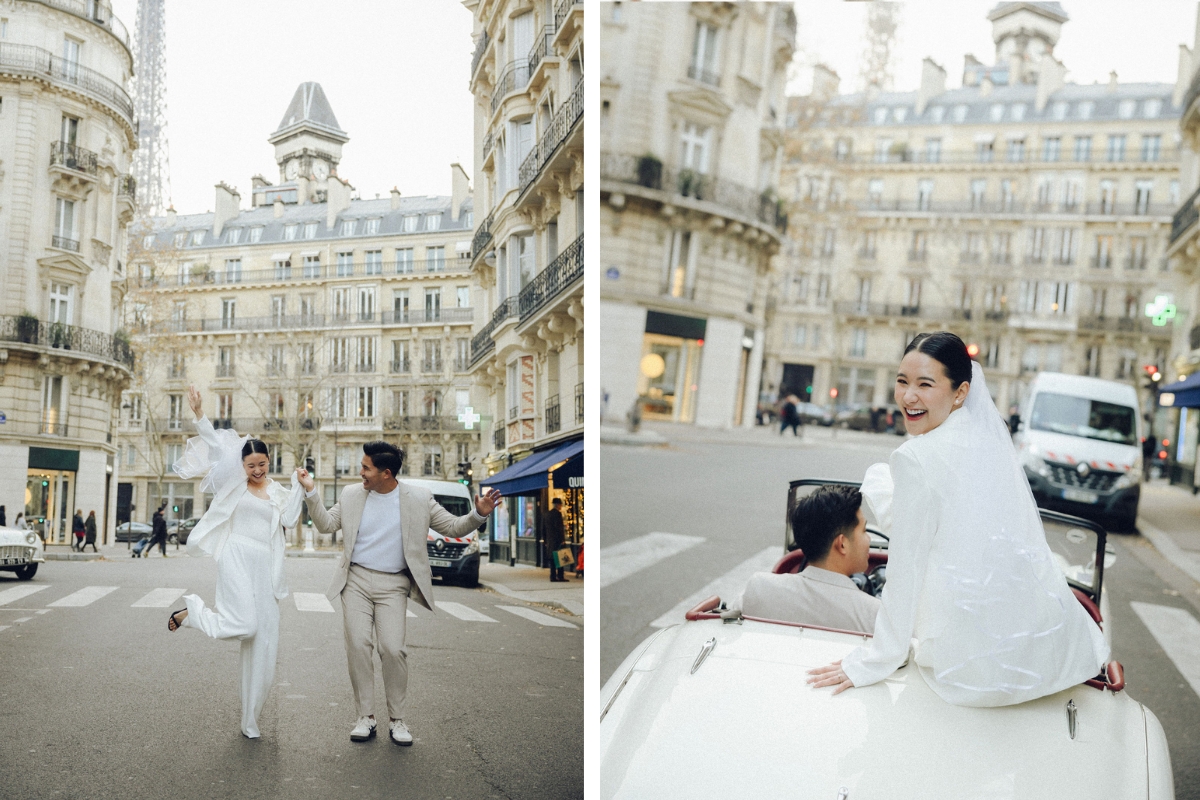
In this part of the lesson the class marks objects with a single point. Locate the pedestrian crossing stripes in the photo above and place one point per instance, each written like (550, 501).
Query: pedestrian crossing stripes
(462, 612)
(729, 586)
(312, 601)
(84, 597)
(622, 560)
(159, 598)
(538, 617)
(1178, 634)
(17, 592)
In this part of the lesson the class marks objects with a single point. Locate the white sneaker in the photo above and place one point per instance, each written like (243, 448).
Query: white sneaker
(400, 734)
(364, 730)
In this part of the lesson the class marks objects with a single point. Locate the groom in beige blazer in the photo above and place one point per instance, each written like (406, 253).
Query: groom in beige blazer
(384, 561)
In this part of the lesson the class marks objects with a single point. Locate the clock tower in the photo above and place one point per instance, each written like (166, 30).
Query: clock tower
(308, 142)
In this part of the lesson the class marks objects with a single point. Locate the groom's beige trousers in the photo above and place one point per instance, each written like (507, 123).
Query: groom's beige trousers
(374, 607)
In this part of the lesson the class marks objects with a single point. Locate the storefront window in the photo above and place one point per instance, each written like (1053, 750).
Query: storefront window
(526, 517)
(667, 377)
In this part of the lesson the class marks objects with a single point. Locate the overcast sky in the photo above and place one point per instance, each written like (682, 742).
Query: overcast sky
(394, 71)
(1138, 38)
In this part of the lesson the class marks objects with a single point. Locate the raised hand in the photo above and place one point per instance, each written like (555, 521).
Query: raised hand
(305, 479)
(486, 503)
(194, 402)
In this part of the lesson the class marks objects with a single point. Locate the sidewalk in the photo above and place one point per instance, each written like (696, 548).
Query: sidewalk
(659, 433)
(532, 585)
(1169, 516)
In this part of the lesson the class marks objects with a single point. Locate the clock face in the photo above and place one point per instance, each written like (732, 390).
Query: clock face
(320, 170)
(292, 169)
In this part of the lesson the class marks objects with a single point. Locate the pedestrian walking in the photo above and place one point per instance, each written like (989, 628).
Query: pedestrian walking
(243, 531)
(384, 524)
(20, 523)
(554, 539)
(78, 530)
(1149, 445)
(89, 529)
(789, 416)
(158, 524)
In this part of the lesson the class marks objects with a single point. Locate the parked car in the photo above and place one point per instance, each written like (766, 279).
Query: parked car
(743, 681)
(813, 414)
(454, 560)
(1080, 441)
(132, 531)
(879, 419)
(21, 552)
(178, 529)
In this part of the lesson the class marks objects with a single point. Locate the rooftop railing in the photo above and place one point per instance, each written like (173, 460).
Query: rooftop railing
(651, 174)
(416, 316)
(36, 62)
(57, 336)
(94, 12)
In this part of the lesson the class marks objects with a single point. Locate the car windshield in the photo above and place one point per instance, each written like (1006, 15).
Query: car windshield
(458, 506)
(1079, 416)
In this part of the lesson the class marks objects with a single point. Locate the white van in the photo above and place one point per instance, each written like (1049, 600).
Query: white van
(1079, 440)
(453, 560)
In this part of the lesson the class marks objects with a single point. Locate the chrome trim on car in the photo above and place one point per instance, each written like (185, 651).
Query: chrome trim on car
(1071, 717)
(704, 651)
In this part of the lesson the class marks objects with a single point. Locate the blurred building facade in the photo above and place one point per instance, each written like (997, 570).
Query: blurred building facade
(67, 134)
(526, 354)
(311, 319)
(692, 144)
(1025, 213)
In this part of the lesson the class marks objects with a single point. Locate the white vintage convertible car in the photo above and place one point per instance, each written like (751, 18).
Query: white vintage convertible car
(719, 708)
(20, 552)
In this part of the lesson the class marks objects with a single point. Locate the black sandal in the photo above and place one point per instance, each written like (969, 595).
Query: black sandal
(174, 622)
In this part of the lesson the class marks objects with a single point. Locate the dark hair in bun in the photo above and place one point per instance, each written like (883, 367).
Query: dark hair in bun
(947, 349)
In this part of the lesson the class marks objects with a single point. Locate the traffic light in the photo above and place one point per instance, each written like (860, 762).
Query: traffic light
(972, 349)
(833, 393)
(175, 509)
(465, 472)
(1153, 377)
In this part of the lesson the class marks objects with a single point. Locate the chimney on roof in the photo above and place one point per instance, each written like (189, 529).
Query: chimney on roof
(985, 86)
(1183, 76)
(1112, 82)
(970, 74)
(228, 206)
(171, 215)
(337, 199)
(460, 189)
(395, 198)
(933, 83)
(278, 207)
(826, 83)
(1050, 78)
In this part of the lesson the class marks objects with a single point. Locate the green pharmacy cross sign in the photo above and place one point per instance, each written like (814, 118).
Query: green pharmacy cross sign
(469, 417)
(1161, 310)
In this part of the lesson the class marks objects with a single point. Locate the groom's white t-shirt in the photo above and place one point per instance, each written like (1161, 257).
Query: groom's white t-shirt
(379, 544)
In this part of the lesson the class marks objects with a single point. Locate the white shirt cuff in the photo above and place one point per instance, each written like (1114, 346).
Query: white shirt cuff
(313, 493)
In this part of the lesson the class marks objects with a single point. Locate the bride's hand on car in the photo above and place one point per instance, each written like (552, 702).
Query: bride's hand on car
(830, 675)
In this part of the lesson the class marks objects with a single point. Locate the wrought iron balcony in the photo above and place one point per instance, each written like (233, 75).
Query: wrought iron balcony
(361, 368)
(73, 157)
(41, 64)
(126, 186)
(226, 370)
(403, 365)
(514, 77)
(498, 437)
(95, 13)
(651, 174)
(561, 10)
(553, 415)
(579, 403)
(481, 47)
(1185, 217)
(704, 76)
(562, 272)
(53, 426)
(431, 365)
(483, 235)
(63, 243)
(565, 120)
(422, 423)
(540, 48)
(56, 335)
(482, 341)
(514, 412)
(277, 322)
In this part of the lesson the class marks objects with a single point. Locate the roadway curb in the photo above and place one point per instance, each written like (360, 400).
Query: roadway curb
(74, 556)
(1172, 552)
(518, 595)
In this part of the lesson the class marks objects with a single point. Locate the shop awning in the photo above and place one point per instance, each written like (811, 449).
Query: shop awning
(530, 474)
(1181, 394)
(570, 474)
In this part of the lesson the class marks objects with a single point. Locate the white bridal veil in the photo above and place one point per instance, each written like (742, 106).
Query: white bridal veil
(220, 466)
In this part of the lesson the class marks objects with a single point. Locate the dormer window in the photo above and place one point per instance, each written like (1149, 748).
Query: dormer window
(433, 222)
(937, 113)
(197, 238)
(310, 230)
(996, 112)
(289, 231)
(1018, 112)
(1060, 110)
(348, 226)
(899, 113)
(147, 242)
(410, 223)
(372, 227)
(180, 238)
(1151, 108)
(1126, 108)
(880, 116)
(256, 234)
(1085, 109)
(233, 235)
(960, 112)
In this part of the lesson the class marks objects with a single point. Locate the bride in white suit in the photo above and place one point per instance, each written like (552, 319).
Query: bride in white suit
(243, 531)
(972, 587)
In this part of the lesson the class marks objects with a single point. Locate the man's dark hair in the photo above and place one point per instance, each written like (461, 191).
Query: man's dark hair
(385, 455)
(556, 501)
(819, 518)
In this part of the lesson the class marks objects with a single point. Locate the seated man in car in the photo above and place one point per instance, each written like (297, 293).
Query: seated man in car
(830, 528)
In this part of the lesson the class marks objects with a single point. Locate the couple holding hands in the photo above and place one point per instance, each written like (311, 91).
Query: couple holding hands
(384, 562)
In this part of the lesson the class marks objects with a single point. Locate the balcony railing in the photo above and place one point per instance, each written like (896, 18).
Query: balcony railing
(482, 342)
(1123, 325)
(403, 365)
(562, 272)
(514, 412)
(126, 186)
(1102, 262)
(898, 156)
(565, 120)
(95, 13)
(514, 77)
(431, 365)
(226, 370)
(481, 47)
(1186, 216)
(483, 235)
(651, 174)
(579, 404)
(1136, 262)
(498, 437)
(462, 363)
(202, 275)
(540, 48)
(63, 243)
(38, 63)
(704, 76)
(53, 427)
(553, 417)
(978, 208)
(73, 157)
(416, 316)
(422, 423)
(56, 335)
(561, 10)
(362, 368)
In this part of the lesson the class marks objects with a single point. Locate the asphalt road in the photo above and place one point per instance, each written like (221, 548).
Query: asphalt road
(731, 491)
(101, 701)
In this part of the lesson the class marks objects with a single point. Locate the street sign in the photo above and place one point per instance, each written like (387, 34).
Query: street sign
(3, 418)
(612, 273)
(469, 418)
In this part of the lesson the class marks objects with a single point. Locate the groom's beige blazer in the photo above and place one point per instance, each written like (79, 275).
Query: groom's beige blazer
(418, 513)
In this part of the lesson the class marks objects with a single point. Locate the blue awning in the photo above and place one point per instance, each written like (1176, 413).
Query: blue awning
(1181, 394)
(530, 474)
